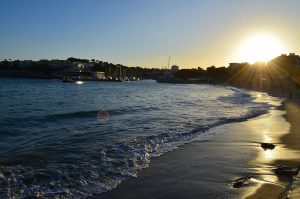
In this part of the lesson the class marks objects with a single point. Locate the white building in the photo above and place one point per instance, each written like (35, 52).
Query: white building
(99, 75)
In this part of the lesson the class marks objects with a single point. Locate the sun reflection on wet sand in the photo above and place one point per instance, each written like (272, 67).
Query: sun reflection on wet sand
(269, 154)
(280, 152)
(270, 128)
(266, 137)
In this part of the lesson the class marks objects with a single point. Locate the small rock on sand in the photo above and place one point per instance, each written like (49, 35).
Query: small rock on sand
(240, 182)
(267, 146)
(286, 171)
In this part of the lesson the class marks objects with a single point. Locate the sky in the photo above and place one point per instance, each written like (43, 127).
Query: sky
(144, 32)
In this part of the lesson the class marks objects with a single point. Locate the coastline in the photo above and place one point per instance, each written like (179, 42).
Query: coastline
(289, 156)
(290, 149)
(208, 169)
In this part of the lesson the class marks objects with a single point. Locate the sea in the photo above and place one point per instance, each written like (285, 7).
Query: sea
(74, 140)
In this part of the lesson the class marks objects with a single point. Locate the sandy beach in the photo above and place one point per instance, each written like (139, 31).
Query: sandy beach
(287, 155)
(209, 169)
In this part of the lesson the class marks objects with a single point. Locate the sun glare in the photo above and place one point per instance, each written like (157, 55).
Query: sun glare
(260, 47)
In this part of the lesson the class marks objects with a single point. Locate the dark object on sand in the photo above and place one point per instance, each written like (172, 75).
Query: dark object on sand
(286, 171)
(267, 146)
(240, 182)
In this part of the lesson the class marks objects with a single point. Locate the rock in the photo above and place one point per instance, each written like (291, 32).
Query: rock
(240, 182)
(267, 146)
(286, 171)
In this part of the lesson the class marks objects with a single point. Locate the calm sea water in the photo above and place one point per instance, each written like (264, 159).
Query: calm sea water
(76, 140)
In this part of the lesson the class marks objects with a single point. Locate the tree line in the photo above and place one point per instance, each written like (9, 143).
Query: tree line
(281, 69)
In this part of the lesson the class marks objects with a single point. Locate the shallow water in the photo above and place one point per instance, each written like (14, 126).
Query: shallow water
(76, 140)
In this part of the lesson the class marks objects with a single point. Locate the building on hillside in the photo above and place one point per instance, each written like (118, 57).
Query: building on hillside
(56, 63)
(99, 75)
(25, 64)
(295, 58)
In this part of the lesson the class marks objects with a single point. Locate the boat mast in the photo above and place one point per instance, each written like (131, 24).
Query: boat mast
(168, 63)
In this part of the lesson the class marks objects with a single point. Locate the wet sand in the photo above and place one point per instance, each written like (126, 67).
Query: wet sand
(289, 152)
(207, 169)
(289, 156)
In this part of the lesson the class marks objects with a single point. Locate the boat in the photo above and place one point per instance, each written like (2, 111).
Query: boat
(67, 79)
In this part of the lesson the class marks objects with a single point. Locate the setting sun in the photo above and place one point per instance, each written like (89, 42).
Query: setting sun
(259, 47)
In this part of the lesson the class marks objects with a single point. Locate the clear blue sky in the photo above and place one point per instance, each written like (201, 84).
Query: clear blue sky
(140, 32)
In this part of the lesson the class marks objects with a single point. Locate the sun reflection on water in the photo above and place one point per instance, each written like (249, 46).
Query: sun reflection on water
(269, 154)
(79, 82)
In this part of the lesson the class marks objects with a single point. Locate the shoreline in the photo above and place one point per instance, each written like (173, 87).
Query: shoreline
(181, 174)
(290, 156)
(209, 169)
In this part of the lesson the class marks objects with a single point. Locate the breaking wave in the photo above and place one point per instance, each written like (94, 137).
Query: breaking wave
(105, 167)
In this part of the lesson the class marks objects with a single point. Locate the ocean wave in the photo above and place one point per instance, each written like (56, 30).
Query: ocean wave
(93, 113)
(103, 170)
(90, 158)
(36, 120)
(237, 97)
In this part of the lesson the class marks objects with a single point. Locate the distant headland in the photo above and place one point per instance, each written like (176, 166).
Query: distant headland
(259, 76)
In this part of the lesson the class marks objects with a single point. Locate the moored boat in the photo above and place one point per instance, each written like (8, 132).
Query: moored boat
(67, 79)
